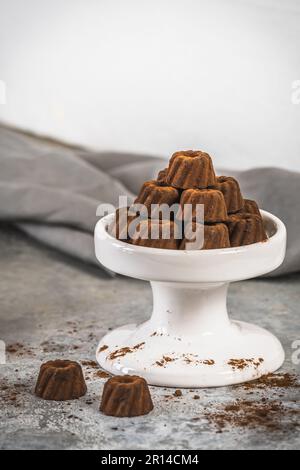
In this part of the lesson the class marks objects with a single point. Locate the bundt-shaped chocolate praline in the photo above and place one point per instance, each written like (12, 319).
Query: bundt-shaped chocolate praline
(231, 191)
(205, 237)
(245, 229)
(190, 169)
(213, 201)
(161, 177)
(126, 396)
(156, 233)
(156, 218)
(154, 193)
(60, 380)
(250, 207)
(122, 224)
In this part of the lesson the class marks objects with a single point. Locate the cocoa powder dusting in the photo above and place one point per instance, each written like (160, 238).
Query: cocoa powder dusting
(103, 348)
(12, 394)
(19, 349)
(168, 359)
(123, 351)
(208, 362)
(164, 360)
(102, 374)
(14, 348)
(247, 414)
(91, 364)
(187, 358)
(268, 381)
(241, 364)
(192, 359)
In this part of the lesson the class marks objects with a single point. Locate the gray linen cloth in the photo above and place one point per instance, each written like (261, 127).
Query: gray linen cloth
(52, 191)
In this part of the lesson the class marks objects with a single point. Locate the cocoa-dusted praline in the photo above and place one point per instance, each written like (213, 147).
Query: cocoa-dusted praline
(245, 229)
(230, 189)
(156, 233)
(190, 179)
(60, 380)
(250, 207)
(215, 236)
(153, 192)
(190, 169)
(119, 227)
(126, 396)
(161, 177)
(213, 201)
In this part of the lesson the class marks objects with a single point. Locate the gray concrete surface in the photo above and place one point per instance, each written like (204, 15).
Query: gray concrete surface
(54, 307)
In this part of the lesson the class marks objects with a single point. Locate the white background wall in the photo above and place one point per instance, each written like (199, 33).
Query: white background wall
(156, 76)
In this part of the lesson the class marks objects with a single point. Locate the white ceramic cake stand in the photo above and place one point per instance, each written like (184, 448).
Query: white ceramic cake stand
(189, 341)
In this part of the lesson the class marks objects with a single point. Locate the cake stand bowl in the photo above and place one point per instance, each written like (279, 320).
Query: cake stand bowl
(189, 341)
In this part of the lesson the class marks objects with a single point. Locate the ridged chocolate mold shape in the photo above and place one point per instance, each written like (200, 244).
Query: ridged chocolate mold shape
(190, 169)
(231, 191)
(126, 396)
(156, 233)
(215, 236)
(213, 201)
(60, 380)
(161, 177)
(155, 193)
(250, 207)
(245, 229)
(119, 228)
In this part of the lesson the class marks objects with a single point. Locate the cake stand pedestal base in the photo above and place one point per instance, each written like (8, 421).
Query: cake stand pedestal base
(189, 341)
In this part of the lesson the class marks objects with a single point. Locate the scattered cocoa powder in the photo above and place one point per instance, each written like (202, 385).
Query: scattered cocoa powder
(98, 373)
(208, 362)
(168, 359)
(241, 364)
(196, 397)
(187, 358)
(191, 358)
(92, 364)
(268, 381)
(102, 374)
(12, 394)
(123, 351)
(19, 349)
(176, 394)
(74, 417)
(103, 348)
(120, 353)
(162, 362)
(13, 348)
(52, 346)
(244, 413)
